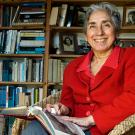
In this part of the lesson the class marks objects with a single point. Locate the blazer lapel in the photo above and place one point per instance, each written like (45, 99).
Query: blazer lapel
(84, 78)
(103, 74)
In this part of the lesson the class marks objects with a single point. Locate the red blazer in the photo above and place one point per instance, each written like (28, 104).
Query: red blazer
(112, 98)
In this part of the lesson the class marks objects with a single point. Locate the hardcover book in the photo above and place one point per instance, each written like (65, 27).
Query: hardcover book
(53, 124)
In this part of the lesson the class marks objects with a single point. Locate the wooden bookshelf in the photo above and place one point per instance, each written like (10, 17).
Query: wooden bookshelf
(14, 56)
(49, 30)
(49, 33)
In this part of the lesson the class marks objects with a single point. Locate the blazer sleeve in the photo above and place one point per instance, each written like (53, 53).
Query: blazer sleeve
(67, 93)
(123, 105)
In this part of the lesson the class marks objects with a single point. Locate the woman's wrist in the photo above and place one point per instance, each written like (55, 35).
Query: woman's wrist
(91, 120)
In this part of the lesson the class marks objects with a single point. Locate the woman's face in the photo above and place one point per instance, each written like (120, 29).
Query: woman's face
(100, 31)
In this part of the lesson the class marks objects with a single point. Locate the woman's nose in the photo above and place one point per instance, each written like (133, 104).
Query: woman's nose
(99, 30)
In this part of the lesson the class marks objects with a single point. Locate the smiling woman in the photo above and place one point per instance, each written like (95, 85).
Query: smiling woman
(100, 32)
(100, 35)
(98, 88)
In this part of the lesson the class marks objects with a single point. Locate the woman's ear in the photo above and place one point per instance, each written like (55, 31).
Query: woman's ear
(117, 34)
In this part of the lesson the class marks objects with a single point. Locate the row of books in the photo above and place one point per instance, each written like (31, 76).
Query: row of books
(126, 43)
(6, 124)
(29, 96)
(21, 70)
(126, 40)
(67, 15)
(25, 13)
(22, 41)
(56, 70)
(10, 96)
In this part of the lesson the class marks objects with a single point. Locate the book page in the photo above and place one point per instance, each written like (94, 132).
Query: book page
(64, 126)
(57, 125)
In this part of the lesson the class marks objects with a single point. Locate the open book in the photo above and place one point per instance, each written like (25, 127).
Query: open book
(53, 124)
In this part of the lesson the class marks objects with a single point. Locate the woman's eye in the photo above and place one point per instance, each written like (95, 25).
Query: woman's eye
(91, 26)
(107, 25)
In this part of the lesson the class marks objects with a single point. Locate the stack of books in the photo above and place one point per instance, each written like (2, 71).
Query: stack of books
(29, 13)
(30, 42)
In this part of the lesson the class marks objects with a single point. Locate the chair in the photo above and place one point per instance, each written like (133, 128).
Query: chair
(126, 127)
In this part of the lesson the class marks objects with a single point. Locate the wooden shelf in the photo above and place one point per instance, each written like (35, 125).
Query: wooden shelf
(22, 55)
(128, 29)
(38, 84)
(56, 83)
(64, 56)
(19, 1)
(86, 2)
(124, 29)
(20, 27)
(62, 29)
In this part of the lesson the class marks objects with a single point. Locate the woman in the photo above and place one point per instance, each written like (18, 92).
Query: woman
(98, 88)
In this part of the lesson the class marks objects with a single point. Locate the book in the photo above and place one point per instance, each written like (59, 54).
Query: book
(16, 15)
(53, 124)
(2, 96)
(126, 36)
(32, 33)
(32, 43)
(7, 70)
(62, 15)
(2, 125)
(54, 70)
(71, 16)
(1, 69)
(1, 15)
(54, 16)
(50, 70)
(6, 20)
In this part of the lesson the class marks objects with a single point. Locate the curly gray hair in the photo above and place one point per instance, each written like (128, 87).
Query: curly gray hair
(111, 10)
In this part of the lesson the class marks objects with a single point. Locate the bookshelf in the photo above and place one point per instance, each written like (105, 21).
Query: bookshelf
(50, 30)
(24, 90)
(39, 28)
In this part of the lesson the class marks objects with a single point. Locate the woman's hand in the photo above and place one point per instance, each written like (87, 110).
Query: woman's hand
(84, 122)
(60, 109)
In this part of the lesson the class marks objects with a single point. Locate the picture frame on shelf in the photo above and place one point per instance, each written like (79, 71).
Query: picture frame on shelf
(129, 18)
(81, 13)
(68, 43)
(82, 45)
